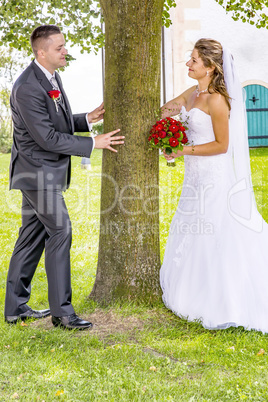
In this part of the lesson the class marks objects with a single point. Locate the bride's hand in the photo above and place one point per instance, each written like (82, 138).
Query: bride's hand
(172, 155)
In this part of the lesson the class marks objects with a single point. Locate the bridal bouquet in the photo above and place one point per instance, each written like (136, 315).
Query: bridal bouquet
(168, 134)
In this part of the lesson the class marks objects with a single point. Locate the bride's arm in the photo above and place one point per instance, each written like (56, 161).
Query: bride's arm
(219, 113)
(173, 107)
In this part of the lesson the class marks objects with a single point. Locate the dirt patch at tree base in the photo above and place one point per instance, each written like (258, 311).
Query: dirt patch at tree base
(105, 324)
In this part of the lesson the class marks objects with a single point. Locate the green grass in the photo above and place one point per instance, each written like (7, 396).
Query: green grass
(134, 353)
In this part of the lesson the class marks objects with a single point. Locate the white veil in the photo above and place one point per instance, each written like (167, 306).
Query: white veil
(241, 200)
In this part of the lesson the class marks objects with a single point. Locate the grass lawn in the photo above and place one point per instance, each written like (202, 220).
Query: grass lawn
(133, 353)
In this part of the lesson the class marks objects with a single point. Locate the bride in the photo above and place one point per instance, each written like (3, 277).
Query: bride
(215, 266)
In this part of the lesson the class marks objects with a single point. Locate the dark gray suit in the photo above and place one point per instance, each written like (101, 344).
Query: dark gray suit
(40, 168)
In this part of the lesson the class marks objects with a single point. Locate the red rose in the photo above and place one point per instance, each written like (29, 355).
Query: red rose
(159, 127)
(173, 128)
(162, 134)
(170, 120)
(54, 94)
(173, 142)
(177, 135)
(156, 141)
(185, 139)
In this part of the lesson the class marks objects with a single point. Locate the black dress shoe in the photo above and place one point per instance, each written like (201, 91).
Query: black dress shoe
(71, 322)
(36, 314)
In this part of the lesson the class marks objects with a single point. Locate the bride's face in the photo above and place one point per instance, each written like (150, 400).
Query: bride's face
(197, 70)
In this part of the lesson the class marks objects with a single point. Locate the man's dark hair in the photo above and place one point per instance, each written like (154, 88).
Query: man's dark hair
(42, 32)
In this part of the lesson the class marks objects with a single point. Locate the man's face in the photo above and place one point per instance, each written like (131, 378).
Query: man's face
(52, 52)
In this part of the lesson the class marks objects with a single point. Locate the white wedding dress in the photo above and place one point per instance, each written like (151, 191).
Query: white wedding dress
(215, 268)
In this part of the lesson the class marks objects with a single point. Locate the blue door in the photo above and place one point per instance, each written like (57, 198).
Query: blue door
(257, 115)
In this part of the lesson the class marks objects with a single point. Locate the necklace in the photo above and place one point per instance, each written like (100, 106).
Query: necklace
(200, 92)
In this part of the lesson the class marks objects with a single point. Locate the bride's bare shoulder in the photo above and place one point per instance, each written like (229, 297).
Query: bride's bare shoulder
(217, 101)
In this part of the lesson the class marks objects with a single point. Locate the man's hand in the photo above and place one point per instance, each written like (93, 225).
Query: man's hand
(104, 141)
(96, 114)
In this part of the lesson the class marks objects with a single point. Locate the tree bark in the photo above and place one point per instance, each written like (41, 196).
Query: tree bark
(129, 252)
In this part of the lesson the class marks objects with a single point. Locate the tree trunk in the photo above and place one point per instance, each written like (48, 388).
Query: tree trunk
(129, 252)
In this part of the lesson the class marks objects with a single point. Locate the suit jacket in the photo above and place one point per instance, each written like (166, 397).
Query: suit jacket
(43, 139)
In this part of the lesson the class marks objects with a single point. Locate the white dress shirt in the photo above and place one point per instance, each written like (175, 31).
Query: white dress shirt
(49, 76)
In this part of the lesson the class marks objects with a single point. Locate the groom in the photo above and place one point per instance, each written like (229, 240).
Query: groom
(40, 167)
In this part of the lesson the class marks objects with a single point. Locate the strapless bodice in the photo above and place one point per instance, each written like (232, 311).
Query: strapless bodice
(204, 169)
(200, 129)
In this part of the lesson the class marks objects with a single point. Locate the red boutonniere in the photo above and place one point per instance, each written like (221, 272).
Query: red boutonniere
(55, 95)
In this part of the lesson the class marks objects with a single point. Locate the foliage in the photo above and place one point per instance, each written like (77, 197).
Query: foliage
(19, 18)
(4, 101)
(97, 128)
(5, 120)
(134, 353)
(5, 134)
(11, 62)
(79, 20)
(252, 11)
(166, 20)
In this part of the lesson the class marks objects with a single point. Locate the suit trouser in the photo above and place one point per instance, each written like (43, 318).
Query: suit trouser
(45, 225)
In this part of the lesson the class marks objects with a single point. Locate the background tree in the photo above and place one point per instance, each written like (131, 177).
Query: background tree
(11, 62)
(129, 257)
(79, 20)
(76, 18)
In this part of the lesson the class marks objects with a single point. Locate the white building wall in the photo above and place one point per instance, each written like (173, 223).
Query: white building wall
(194, 19)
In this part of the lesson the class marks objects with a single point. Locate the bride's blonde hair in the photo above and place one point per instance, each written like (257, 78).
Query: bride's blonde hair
(210, 52)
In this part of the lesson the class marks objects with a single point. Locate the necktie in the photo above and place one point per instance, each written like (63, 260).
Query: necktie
(54, 83)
